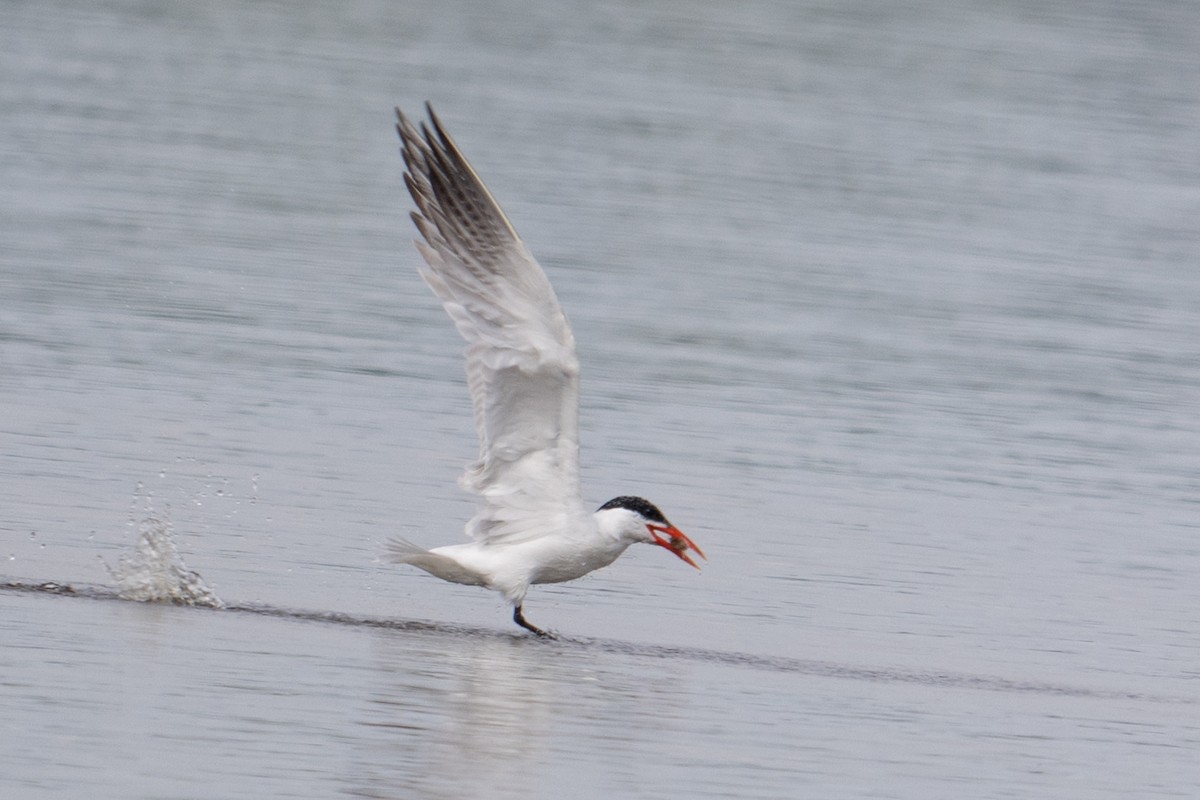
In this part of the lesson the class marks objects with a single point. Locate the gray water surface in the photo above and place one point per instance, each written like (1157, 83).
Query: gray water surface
(892, 309)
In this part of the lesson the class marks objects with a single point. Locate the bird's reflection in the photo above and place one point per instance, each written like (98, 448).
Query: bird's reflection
(469, 715)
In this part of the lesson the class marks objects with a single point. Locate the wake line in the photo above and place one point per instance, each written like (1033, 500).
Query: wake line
(778, 664)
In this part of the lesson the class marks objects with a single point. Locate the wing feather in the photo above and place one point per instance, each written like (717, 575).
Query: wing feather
(522, 371)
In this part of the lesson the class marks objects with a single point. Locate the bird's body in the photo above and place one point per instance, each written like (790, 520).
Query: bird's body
(523, 375)
(511, 569)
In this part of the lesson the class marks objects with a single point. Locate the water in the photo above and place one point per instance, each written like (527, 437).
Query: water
(891, 309)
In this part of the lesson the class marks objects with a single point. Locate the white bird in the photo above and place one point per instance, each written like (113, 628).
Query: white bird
(531, 525)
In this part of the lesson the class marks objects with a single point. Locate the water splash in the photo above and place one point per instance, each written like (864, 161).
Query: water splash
(155, 572)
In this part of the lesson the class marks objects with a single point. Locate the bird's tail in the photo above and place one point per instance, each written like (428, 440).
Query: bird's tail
(402, 551)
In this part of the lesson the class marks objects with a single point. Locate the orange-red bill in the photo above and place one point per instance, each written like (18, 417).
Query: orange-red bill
(676, 541)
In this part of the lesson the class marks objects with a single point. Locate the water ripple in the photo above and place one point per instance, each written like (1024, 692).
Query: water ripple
(777, 664)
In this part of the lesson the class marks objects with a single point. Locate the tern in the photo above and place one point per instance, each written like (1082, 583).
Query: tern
(531, 525)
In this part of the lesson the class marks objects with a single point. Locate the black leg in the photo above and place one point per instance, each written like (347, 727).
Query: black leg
(519, 618)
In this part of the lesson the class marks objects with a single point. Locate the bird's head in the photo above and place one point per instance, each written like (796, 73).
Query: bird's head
(638, 520)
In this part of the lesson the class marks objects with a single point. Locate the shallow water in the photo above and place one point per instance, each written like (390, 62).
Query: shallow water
(893, 311)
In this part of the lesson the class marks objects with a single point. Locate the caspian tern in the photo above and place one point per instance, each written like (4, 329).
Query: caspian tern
(531, 525)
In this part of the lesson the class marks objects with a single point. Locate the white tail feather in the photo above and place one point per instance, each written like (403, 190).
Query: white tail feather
(401, 551)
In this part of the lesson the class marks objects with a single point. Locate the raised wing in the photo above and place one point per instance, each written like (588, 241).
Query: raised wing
(521, 365)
